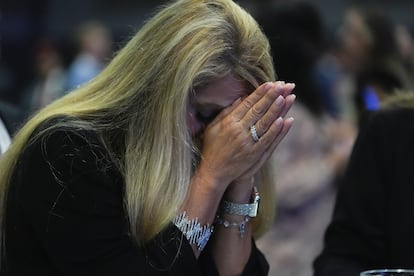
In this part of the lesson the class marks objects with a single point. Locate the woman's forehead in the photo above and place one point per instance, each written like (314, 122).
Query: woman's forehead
(226, 88)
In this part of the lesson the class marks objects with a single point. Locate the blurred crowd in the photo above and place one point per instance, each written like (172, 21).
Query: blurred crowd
(341, 78)
(52, 73)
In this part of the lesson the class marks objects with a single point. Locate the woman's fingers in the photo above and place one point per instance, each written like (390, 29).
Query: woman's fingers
(274, 111)
(289, 97)
(286, 124)
(278, 131)
(261, 107)
(287, 89)
(278, 108)
(229, 147)
(289, 100)
(227, 110)
(250, 101)
(281, 128)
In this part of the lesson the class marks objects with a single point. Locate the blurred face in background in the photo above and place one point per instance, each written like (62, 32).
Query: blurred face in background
(95, 39)
(356, 39)
(47, 59)
(405, 42)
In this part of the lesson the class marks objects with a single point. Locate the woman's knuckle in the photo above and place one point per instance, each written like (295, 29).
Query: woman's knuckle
(257, 111)
(248, 102)
(261, 126)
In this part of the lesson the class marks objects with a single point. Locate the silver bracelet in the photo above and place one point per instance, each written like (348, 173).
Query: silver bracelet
(192, 230)
(241, 225)
(248, 209)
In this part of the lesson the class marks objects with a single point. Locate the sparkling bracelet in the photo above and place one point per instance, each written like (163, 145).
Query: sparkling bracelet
(249, 209)
(241, 225)
(192, 230)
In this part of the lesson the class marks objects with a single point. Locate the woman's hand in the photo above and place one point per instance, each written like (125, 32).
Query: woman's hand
(229, 154)
(229, 151)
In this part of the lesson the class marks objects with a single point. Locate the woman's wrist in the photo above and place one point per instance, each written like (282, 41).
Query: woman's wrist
(239, 191)
(209, 182)
(239, 223)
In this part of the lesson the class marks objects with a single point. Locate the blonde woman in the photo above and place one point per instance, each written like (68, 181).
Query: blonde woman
(156, 166)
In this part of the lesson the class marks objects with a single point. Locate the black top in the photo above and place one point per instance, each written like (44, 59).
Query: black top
(65, 216)
(373, 220)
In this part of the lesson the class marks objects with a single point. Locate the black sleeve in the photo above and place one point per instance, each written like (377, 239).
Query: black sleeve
(372, 219)
(72, 197)
(256, 265)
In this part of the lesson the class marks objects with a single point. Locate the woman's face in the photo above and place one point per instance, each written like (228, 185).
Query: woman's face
(208, 101)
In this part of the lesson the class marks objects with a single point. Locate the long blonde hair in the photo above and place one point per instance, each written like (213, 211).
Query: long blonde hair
(141, 98)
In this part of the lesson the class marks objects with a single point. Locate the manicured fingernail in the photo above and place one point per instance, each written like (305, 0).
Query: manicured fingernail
(268, 85)
(279, 86)
(279, 101)
(291, 85)
(279, 121)
(290, 120)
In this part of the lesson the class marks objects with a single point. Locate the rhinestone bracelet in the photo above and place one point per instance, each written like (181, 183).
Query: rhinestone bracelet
(249, 209)
(192, 230)
(241, 225)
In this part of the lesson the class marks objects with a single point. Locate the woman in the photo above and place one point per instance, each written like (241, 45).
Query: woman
(127, 174)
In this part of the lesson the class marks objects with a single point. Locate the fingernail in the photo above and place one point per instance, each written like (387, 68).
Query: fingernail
(279, 101)
(279, 87)
(279, 121)
(290, 120)
(268, 85)
(291, 85)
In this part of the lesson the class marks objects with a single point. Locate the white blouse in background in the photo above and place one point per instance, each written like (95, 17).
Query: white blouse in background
(4, 138)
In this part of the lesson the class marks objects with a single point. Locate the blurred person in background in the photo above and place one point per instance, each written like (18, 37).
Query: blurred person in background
(157, 165)
(50, 78)
(94, 44)
(335, 81)
(314, 155)
(10, 120)
(11, 116)
(405, 43)
(369, 43)
(372, 224)
(318, 144)
(5, 139)
(21, 23)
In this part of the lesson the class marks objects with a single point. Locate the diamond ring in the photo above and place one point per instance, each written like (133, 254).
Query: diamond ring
(253, 132)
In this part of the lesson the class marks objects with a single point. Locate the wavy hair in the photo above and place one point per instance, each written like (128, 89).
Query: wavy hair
(138, 105)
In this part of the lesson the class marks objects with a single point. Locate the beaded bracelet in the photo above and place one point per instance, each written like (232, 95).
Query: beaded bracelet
(192, 230)
(241, 225)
